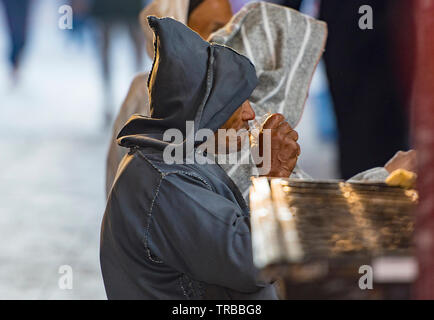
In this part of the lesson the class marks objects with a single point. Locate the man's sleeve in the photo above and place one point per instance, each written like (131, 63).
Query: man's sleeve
(202, 234)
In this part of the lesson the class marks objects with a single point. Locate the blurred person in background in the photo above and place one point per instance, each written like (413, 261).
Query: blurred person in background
(108, 14)
(202, 16)
(17, 16)
(369, 80)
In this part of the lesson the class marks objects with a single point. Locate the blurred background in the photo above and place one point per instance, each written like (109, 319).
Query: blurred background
(54, 142)
(59, 92)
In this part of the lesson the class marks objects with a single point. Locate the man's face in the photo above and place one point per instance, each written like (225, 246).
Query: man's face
(236, 128)
(210, 16)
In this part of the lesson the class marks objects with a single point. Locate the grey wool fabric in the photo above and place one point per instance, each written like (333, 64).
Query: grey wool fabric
(285, 47)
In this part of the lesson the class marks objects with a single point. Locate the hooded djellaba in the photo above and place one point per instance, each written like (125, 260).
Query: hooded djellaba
(181, 231)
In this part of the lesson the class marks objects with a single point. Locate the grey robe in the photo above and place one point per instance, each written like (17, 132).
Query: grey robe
(181, 231)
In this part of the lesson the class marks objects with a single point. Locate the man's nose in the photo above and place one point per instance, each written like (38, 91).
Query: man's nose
(248, 113)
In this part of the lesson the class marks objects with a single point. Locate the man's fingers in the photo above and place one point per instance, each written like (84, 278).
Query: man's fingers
(286, 169)
(284, 127)
(273, 121)
(295, 147)
(284, 146)
(294, 135)
(288, 151)
(290, 137)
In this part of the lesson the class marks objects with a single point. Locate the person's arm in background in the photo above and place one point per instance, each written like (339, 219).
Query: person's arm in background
(401, 160)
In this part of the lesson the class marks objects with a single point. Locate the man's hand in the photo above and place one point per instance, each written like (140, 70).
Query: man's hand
(284, 147)
(403, 160)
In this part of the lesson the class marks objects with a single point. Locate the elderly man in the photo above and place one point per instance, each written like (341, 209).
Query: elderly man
(182, 231)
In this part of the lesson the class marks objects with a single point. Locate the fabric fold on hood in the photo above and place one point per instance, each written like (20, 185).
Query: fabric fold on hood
(191, 80)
